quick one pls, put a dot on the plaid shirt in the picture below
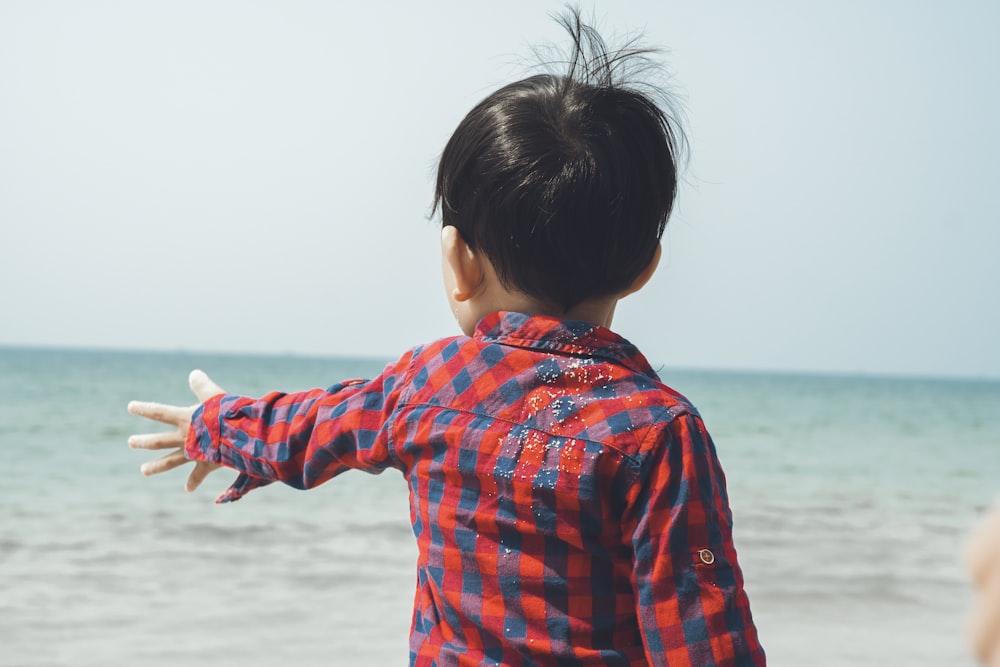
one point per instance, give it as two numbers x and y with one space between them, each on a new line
568 507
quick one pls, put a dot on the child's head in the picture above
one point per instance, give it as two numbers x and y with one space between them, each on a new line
564 182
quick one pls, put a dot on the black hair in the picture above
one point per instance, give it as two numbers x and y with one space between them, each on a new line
565 181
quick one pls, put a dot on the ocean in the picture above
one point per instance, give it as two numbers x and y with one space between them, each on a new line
852 497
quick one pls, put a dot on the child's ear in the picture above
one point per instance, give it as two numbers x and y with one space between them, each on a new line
462 265
646 274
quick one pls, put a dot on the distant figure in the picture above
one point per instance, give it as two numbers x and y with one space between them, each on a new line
568 507
982 558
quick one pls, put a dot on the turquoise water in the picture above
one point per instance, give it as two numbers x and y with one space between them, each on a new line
851 496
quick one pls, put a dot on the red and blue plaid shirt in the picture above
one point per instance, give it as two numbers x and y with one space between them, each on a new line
568 507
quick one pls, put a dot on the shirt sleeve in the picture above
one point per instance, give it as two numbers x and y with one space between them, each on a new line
301 439
691 605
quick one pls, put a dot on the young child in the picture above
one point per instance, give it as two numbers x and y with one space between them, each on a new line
568 507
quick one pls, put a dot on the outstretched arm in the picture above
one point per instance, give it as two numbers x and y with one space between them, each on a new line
302 439
180 418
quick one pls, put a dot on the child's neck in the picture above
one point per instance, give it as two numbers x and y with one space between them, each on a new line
596 311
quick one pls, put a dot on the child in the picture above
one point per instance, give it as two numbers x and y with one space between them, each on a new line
568 507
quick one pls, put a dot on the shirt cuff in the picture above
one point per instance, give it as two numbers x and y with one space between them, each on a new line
243 485
203 443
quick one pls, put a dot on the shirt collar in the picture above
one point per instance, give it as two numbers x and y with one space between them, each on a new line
571 337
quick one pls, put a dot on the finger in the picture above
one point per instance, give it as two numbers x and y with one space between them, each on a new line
168 414
164 463
198 475
985 626
168 440
983 548
202 386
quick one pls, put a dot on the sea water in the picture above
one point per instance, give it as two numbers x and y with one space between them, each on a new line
851 496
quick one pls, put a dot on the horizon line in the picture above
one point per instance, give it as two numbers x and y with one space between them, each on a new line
658 366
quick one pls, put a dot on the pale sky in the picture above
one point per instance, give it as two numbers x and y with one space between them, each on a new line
256 176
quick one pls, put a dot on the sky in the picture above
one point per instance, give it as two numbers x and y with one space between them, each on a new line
257 176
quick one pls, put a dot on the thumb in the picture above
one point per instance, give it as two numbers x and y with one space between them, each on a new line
202 386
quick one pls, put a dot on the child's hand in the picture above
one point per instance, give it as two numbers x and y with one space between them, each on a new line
180 418
982 558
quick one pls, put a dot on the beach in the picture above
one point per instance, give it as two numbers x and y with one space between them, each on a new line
851 497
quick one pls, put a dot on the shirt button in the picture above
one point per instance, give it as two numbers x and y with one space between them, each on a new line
707 557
